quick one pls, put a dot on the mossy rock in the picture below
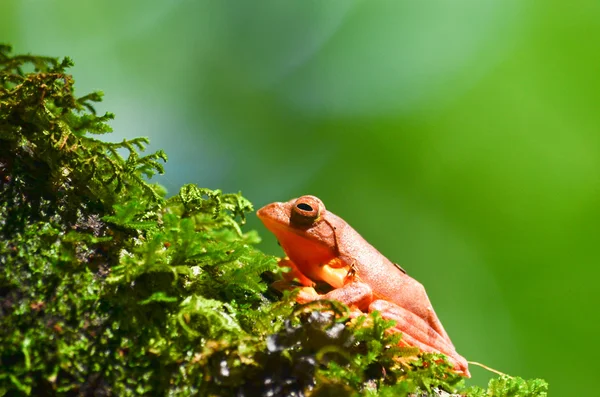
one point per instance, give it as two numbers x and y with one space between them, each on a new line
110 288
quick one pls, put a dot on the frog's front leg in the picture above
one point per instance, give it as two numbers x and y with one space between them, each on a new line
294 273
356 295
418 333
330 273
353 294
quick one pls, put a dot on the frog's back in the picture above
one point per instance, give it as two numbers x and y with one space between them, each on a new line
386 279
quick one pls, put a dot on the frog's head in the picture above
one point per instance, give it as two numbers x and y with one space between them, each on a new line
305 230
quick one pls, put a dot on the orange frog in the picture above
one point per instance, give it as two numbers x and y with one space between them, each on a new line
323 248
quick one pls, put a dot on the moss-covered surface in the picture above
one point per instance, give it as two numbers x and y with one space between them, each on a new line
109 288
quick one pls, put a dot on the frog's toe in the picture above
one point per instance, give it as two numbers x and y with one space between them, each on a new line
307 294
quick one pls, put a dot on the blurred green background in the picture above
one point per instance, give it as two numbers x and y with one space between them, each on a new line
459 138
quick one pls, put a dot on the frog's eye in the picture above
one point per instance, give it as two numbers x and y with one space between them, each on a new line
307 210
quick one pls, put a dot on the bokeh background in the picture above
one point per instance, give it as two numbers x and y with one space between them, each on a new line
460 138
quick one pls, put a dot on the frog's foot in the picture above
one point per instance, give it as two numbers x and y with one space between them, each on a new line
355 295
307 294
418 333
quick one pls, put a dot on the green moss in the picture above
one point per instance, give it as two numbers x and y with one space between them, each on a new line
109 288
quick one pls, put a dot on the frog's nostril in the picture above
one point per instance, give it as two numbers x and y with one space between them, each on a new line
305 207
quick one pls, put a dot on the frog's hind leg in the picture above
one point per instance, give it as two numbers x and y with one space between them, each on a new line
412 297
419 333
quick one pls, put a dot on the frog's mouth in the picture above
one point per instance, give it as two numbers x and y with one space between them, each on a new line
315 258
274 213
277 218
